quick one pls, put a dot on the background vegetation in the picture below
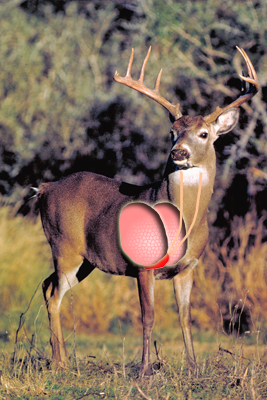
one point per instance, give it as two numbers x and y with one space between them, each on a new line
61 112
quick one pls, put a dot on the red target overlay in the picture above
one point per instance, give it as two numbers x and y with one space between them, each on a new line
146 233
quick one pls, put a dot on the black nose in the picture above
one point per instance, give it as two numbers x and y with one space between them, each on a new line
179 154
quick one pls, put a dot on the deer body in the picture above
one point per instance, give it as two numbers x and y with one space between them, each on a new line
80 219
97 238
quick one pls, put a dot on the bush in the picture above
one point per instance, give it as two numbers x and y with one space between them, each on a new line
61 111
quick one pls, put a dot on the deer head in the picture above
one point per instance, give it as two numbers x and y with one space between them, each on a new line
193 138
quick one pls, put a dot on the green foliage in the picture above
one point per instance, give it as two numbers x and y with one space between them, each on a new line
200 37
61 112
58 104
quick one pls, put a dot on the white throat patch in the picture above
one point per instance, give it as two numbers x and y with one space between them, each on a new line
190 176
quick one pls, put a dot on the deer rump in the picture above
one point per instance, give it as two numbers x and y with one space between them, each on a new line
146 233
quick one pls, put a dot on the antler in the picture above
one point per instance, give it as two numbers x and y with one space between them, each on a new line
174 110
254 87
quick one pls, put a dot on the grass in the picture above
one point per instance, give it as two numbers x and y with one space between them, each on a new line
105 348
108 369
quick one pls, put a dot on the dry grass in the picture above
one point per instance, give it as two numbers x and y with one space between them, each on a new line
228 367
25 261
228 280
232 279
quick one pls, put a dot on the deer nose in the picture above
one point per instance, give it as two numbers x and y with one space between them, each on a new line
179 154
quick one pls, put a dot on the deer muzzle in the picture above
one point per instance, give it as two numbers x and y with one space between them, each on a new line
179 154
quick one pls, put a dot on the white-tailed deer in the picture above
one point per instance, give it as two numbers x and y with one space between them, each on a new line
80 216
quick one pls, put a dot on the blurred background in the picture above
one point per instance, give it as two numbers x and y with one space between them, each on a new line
61 112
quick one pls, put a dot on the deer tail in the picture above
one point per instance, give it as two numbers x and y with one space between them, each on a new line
39 191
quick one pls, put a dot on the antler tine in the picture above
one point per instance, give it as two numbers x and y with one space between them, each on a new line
142 72
253 80
130 63
174 110
254 87
156 89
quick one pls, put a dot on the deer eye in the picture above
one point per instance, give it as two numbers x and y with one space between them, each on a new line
203 135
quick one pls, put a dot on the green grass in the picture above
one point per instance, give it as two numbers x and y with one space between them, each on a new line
106 367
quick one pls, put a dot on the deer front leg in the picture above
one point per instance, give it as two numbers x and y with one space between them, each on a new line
146 283
183 283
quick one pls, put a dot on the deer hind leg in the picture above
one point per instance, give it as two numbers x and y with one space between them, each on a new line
146 283
183 283
54 289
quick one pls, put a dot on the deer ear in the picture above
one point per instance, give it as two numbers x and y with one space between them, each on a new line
226 121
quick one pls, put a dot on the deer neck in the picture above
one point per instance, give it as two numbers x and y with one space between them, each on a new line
168 189
171 184
172 177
